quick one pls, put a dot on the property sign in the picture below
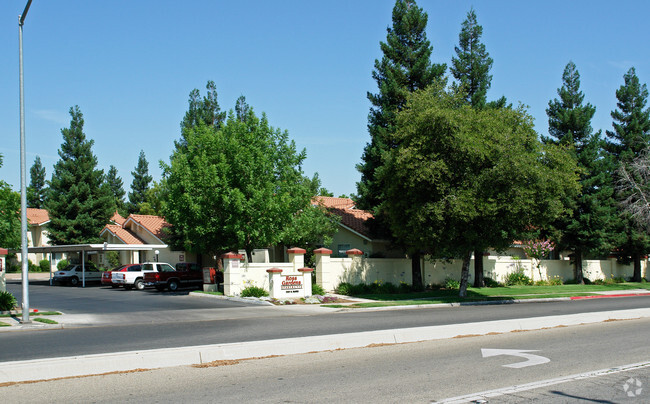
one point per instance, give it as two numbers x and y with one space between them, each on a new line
291 283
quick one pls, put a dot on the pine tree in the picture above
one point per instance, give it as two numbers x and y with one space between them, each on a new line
79 202
140 184
37 190
627 142
472 65
404 68
590 230
471 68
204 111
116 185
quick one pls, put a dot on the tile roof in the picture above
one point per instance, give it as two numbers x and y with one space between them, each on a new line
37 216
155 224
125 235
355 219
118 219
337 203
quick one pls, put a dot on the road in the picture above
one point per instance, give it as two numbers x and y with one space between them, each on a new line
188 321
420 372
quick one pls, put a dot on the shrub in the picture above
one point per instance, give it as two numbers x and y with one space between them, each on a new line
7 301
451 283
254 291
518 278
31 267
113 258
61 265
555 281
44 265
491 283
317 289
404 287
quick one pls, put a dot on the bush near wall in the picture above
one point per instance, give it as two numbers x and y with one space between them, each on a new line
44 265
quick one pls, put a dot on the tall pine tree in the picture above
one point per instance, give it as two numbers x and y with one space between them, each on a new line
629 139
472 65
37 190
589 230
116 185
204 111
404 68
140 184
79 202
471 68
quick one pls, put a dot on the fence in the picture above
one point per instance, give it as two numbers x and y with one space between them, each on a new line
330 272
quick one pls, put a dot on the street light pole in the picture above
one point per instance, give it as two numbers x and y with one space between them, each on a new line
23 193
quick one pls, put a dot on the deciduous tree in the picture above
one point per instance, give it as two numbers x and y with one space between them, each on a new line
9 215
463 178
237 186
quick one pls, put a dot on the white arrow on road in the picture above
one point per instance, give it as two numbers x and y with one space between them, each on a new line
531 360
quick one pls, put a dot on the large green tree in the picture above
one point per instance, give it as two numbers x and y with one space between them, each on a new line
37 189
464 178
140 184
237 186
472 64
627 144
590 228
9 215
471 68
116 185
405 67
79 201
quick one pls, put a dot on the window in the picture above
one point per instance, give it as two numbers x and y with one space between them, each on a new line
342 248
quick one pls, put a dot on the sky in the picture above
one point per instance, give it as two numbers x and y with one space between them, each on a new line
131 64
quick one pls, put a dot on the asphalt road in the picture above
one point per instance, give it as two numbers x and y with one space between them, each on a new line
162 321
420 372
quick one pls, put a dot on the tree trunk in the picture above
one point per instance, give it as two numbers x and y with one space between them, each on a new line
416 271
464 275
636 257
479 282
578 267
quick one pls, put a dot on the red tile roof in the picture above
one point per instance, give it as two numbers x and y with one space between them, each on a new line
37 216
118 219
155 224
355 219
125 235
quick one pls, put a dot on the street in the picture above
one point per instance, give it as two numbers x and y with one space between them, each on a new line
420 372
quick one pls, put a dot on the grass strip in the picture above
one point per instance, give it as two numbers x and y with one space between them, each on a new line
45 320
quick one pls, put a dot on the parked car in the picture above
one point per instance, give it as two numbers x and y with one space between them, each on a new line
134 275
107 276
74 273
185 274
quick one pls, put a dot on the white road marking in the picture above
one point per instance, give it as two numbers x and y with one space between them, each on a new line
484 395
531 360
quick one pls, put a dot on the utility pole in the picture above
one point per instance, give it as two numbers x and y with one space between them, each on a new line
23 175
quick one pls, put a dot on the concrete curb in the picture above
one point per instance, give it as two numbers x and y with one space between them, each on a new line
251 300
43 369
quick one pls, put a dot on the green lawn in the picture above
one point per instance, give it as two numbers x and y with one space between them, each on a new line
504 293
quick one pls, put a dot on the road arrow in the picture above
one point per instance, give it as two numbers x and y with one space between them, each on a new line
531 360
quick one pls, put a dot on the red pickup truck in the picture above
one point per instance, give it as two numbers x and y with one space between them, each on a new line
185 274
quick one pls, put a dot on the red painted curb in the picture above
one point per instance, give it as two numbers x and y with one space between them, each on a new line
605 296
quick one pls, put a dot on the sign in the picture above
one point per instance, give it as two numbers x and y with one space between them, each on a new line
531 360
181 257
291 283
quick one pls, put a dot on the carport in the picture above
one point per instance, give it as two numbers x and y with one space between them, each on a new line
84 249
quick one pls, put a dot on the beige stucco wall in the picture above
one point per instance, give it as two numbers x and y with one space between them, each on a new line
333 271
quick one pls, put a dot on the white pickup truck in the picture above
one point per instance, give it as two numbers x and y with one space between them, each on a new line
133 276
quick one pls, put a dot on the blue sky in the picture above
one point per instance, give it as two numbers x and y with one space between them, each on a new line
130 66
